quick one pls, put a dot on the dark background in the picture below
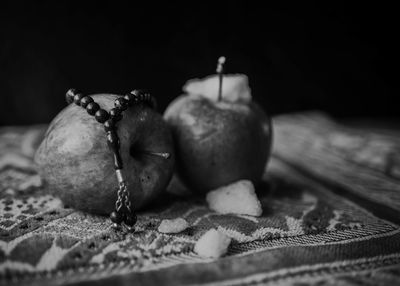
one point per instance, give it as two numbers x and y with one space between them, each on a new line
337 58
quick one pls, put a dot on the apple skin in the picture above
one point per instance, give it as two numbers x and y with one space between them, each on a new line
218 142
77 165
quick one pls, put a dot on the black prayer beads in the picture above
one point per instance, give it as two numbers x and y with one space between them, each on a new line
123 211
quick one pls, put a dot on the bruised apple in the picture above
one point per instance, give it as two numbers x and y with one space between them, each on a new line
77 165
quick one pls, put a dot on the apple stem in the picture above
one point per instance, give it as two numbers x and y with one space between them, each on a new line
220 72
164 155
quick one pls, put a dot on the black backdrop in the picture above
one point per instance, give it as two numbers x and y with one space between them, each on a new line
334 57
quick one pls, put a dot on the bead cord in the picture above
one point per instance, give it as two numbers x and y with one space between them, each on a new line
123 209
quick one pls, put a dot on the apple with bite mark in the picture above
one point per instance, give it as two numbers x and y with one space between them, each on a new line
221 135
77 164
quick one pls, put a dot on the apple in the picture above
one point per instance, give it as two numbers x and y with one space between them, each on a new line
78 166
219 140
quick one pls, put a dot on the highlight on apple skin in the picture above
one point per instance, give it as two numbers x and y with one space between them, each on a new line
217 141
77 166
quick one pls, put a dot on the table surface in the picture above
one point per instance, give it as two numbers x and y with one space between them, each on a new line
330 198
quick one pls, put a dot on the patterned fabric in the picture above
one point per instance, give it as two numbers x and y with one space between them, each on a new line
306 235
364 163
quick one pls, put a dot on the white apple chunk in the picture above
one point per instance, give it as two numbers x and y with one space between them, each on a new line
173 225
237 198
212 244
235 88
